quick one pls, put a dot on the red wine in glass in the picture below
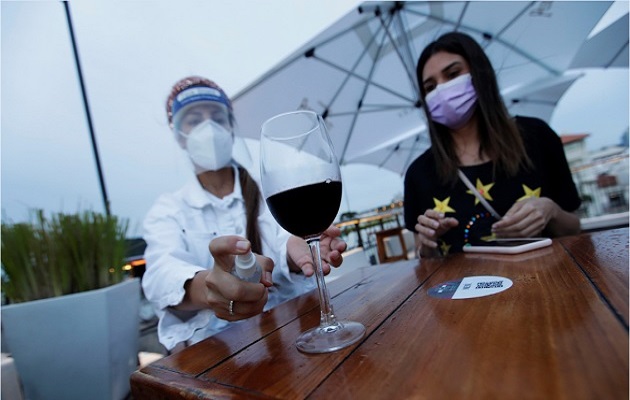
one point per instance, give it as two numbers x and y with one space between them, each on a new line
301 183
321 199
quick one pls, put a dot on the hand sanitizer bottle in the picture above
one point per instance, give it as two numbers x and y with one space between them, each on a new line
246 268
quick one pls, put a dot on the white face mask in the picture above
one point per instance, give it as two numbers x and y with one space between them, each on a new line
209 146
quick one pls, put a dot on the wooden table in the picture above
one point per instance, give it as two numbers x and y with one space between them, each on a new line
560 332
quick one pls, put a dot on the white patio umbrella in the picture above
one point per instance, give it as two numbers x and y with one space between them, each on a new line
360 72
536 100
607 49
540 98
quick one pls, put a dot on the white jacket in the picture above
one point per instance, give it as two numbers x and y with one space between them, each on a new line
177 230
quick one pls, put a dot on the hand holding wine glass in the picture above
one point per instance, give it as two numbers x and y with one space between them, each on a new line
301 183
332 247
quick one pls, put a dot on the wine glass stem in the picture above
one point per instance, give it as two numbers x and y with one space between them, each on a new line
327 314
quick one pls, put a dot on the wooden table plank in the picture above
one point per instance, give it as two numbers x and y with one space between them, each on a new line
161 384
604 258
275 367
259 346
542 338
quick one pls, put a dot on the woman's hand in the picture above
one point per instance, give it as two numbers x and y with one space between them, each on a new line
331 245
531 216
216 288
526 218
431 225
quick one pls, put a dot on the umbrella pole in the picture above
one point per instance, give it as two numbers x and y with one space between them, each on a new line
87 110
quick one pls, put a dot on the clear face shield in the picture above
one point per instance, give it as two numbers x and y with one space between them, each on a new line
204 130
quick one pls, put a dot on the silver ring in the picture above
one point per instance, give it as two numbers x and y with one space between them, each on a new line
231 307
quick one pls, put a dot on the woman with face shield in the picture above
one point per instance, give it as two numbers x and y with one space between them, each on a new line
487 174
194 234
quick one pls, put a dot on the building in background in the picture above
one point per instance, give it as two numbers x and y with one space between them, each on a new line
601 176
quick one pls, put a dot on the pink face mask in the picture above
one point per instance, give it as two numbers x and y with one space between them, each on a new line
453 103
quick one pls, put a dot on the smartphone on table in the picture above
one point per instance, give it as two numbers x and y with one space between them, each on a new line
507 245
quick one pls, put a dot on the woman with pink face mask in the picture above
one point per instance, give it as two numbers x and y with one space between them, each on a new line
194 233
487 174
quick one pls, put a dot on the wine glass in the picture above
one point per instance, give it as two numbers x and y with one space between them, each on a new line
301 183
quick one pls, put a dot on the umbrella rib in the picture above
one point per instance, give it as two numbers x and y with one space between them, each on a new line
377 85
412 57
388 156
297 57
393 42
491 37
411 153
352 71
461 16
365 88
383 109
617 54
395 106
528 56
541 102
390 107
398 147
497 37
355 75
343 32
513 20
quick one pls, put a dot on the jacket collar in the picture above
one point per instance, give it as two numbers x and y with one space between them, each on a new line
197 197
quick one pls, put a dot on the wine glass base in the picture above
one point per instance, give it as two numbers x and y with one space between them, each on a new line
330 338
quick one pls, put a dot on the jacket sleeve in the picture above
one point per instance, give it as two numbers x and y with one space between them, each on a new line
169 264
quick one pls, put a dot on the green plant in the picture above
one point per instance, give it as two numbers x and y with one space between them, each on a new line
63 254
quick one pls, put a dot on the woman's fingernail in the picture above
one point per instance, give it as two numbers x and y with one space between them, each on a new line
242 245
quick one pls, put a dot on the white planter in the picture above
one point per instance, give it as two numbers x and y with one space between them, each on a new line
79 346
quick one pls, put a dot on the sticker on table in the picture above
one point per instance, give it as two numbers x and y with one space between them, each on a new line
471 287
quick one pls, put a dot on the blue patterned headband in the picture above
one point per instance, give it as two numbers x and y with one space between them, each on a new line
199 93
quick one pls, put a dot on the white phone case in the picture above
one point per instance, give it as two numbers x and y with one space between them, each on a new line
508 246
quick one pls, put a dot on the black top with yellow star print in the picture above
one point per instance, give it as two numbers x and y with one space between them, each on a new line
550 177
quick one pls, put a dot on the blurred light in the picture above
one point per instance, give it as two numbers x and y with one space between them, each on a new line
135 263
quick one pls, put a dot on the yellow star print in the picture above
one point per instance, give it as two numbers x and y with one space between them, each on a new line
483 190
489 238
529 193
445 248
442 206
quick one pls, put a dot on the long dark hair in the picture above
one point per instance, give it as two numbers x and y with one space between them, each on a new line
252 196
498 134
